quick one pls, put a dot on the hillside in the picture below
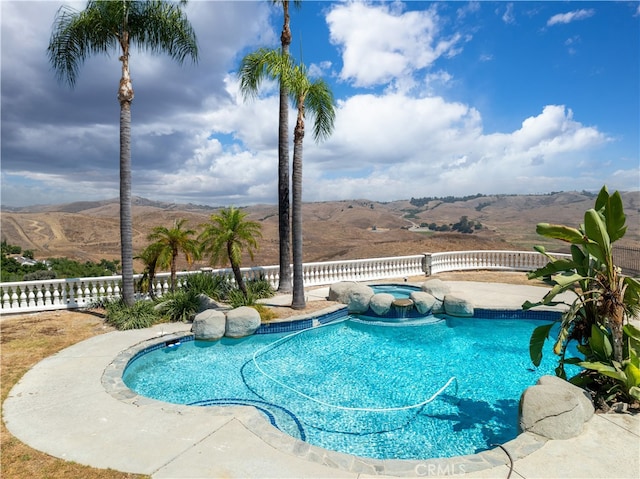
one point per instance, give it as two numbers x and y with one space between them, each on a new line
332 230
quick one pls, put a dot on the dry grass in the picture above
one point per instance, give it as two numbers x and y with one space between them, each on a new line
27 339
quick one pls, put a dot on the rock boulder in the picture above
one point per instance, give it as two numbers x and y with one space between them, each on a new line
359 298
436 288
456 306
242 321
381 303
423 302
554 409
205 302
209 325
340 291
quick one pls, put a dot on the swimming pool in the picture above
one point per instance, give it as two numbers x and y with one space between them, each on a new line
438 389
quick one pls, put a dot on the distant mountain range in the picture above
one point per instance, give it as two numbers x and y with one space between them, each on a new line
348 229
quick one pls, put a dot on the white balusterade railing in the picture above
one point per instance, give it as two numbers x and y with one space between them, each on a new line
71 293
486 259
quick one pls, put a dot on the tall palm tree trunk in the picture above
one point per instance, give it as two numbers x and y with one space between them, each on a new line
298 301
237 274
174 261
284 229
125 97
126 228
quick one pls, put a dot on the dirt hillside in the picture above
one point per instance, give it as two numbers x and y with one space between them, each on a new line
332 230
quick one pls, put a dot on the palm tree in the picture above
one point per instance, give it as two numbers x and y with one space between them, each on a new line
254 68
154 256
170 242
284 230
317 99
103 26
284 285
226 236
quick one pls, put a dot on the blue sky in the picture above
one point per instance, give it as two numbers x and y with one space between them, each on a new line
433 99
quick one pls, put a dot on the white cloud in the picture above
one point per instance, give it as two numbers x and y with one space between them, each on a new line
381 44
569 17
387 146
508 15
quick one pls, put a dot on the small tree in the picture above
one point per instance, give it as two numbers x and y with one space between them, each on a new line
169 242
154 256
226 236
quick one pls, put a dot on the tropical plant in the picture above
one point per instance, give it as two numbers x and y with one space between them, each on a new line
179 305
611 380
260 287
137 316
215 286
226 236
154 256
104 25
170 242
237 298
604 297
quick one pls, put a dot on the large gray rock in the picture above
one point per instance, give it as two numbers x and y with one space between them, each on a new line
355 295
205 302
423 302
209 325
242 321
340 291
554 409
582 395
381 303
436 288
456 306
359 298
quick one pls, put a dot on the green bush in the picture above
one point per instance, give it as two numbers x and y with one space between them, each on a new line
237 299
41 274
214 286
140 315
260 288
181 305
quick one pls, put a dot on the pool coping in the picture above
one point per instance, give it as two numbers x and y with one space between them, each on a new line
517 448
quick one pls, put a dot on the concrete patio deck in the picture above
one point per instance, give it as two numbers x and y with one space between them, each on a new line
62 407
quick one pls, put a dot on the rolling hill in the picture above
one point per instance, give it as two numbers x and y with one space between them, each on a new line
334 230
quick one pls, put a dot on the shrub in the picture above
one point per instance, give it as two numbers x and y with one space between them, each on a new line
140 315
214 286
181 305
237 299
41 274
260 288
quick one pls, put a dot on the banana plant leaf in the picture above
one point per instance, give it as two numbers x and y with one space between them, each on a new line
536 342
600 344
633 376
615 217
605 369
596 230
553 267
561 232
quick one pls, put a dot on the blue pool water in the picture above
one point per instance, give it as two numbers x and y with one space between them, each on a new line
363 389
398 291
